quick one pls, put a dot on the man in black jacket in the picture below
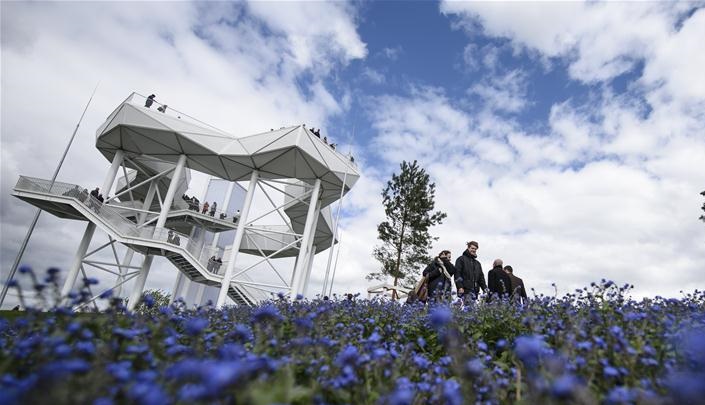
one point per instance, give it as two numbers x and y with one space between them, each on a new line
518 291
440 272
498 280
469 277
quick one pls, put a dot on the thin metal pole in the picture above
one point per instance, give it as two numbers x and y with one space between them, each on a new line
335 232
337 220
23 246
335 267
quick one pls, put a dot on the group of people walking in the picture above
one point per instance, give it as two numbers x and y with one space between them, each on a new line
469 278
94 203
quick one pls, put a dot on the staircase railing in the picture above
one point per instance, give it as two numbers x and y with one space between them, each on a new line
113 217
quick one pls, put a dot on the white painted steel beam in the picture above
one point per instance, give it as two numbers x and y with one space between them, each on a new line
78 259
112 172
223 293
301 262
173 185
139 283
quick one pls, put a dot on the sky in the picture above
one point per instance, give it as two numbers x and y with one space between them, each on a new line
568 139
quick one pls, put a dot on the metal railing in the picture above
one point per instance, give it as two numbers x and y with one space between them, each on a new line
140 100
217 214
114 218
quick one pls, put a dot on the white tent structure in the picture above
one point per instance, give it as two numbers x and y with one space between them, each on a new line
156 149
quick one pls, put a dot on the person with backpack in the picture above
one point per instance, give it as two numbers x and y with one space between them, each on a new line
440 273
469 277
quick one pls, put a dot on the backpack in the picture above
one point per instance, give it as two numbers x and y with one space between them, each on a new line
420 291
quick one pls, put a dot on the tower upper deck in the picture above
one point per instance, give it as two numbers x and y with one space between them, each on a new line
287 153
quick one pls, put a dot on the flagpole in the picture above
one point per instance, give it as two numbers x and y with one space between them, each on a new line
32 225
335 227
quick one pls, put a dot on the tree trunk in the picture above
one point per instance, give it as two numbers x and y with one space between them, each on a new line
399 249
394 291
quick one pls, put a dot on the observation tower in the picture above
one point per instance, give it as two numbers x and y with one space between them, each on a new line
291 169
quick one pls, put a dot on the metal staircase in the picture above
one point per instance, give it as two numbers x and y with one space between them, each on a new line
66 200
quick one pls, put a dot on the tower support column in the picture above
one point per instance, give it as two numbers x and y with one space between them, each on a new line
139 283
239 233
112 173
301 262
78 259
127 260
169 198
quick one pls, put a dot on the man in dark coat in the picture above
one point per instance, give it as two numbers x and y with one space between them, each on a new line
469 277
518 291
440 272
498 280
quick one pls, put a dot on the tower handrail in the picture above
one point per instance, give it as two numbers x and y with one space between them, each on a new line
170 111
194 246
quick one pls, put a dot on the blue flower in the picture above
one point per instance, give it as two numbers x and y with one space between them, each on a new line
403 394
421 362
564 386
127 333
440 316
193 392
61 367
451 393
85 347
686 387
347 356
194 326
90 281
241 333
137 349
610 372
121 371
147 393
62 350
528 349
620 395
266 313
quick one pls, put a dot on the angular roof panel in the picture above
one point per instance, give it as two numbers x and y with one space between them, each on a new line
287 153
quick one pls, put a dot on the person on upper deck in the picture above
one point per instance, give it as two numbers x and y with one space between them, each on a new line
150 100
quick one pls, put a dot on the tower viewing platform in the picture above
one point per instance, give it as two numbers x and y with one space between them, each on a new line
156 148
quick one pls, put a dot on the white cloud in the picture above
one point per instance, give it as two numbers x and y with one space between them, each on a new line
605 191
608 190
601 40
373 75
236 66
392 53
317 33
503 92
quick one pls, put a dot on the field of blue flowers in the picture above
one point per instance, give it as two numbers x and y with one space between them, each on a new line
593 346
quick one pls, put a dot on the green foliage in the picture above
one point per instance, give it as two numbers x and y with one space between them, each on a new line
408 205
702 217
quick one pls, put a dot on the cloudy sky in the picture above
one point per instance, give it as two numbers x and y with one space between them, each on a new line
567 138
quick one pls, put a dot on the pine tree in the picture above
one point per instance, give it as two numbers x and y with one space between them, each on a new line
408 204
702 217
